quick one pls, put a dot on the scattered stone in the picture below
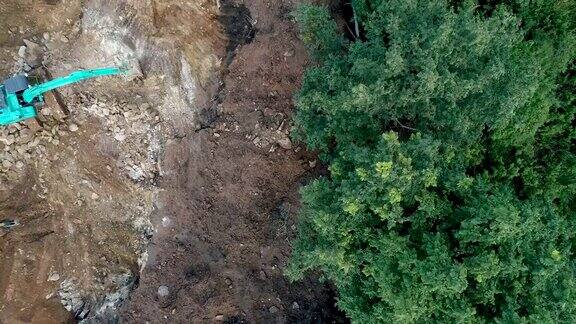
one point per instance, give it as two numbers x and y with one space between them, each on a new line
46 111
8 224
34 54
295 305
9 140
73 127
312 164
12 129
54 277
285 143
262 275
120 137
135 173
166 221
163 291
22 51
94 196
273 310
219 318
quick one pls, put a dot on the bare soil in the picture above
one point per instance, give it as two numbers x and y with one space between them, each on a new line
178 187
231 196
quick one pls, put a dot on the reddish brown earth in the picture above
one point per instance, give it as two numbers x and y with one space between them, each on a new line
221 188
228 208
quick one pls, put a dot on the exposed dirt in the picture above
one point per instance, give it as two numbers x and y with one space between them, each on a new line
177 186
78 190
228 211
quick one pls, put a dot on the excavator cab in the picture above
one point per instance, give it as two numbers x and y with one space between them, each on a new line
13 108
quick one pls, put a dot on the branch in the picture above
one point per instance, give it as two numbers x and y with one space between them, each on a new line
350 30
403 126
356 25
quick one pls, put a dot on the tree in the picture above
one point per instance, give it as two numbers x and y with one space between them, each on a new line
448 129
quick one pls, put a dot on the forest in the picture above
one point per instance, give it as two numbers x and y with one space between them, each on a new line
448 130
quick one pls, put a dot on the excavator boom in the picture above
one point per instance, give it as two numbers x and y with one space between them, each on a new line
19 100
36 91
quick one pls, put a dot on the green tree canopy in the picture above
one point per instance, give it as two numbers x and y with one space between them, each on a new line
449 132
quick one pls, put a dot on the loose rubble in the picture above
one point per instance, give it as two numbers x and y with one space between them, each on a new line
136 131
133 127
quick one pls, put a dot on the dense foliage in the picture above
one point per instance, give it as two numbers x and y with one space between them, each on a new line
449 131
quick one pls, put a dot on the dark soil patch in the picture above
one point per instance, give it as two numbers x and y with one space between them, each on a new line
237 21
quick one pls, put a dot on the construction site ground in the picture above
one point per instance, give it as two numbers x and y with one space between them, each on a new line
167 195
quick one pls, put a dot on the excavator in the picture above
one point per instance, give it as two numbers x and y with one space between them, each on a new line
19 99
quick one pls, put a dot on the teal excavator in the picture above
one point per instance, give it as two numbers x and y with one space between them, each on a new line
19 99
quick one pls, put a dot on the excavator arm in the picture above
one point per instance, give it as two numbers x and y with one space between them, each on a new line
34 92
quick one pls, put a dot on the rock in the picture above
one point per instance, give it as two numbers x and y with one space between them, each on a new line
285 143
9 140
54 277
73 127
120 137
312 164
34 54
46 111
8 224
25 136
94 196
263 275
127 114
12 129
22 51
295 305
136 173
163 291
166 221
34 143
273 310
219 318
